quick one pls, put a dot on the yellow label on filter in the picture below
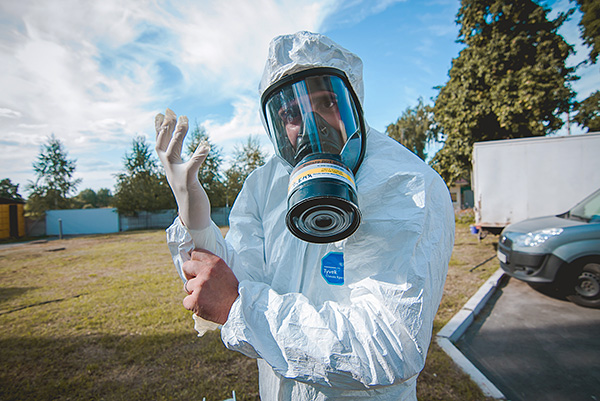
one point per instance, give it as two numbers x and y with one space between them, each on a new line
320 170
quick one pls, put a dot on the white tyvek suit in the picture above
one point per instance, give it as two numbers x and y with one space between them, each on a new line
367 338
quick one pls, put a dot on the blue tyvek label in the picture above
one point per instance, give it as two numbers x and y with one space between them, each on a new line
332 268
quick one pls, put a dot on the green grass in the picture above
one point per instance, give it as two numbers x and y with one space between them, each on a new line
441 379
100 318
112 326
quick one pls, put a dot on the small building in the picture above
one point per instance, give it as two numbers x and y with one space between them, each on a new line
12 218
461 194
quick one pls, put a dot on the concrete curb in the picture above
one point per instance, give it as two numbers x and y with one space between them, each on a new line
457 326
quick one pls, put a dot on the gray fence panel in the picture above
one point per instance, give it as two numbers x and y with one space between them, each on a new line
148 220
35 227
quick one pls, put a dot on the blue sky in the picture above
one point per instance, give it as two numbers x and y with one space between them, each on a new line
94 74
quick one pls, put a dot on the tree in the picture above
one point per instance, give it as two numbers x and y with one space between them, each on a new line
85 199
234 181
588 112
510 81
250 156
10 190
415 128
246 159
209 173
54 182
140 160
104 197
142 186
590 26
88 198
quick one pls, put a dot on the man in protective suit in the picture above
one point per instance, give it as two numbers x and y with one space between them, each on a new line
341 317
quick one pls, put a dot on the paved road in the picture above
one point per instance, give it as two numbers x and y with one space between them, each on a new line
535 347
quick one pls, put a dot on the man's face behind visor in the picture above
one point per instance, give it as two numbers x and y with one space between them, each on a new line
316 114
324 103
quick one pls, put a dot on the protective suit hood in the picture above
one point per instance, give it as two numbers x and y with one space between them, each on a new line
289 54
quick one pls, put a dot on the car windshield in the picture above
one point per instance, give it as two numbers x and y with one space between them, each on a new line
588 209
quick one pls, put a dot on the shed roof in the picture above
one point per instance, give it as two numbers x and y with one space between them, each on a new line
9 201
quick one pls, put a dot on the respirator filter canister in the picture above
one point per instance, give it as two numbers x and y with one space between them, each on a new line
322 200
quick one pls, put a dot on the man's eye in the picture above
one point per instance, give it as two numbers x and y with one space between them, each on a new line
327 103
289 115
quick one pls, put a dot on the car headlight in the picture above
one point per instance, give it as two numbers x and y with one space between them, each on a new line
537 238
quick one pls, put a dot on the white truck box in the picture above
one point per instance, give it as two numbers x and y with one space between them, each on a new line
518 179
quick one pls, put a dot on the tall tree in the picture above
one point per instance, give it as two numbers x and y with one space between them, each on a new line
415 128
234 180
140 159
588 112
510 81
54 179
246 159
9 190
209 173
590 26
142 186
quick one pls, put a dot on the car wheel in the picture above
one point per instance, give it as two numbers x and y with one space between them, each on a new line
586 289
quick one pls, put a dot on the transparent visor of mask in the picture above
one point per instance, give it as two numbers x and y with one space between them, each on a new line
314 114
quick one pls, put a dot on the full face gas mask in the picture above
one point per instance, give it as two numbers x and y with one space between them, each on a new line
315 120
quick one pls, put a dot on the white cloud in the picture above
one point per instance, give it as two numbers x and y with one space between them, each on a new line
50 72
8 113
93 73
245 121
349 12
234 132
33 126
224 44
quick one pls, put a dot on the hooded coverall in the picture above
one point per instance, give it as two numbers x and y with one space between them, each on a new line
362 337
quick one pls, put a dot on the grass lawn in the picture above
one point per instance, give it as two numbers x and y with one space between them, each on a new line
100 318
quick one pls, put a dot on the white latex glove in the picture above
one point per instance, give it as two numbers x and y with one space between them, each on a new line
202 326
192 201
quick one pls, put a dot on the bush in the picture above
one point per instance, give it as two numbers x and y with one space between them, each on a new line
464 216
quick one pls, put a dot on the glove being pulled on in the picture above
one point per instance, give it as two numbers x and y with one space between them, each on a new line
192 202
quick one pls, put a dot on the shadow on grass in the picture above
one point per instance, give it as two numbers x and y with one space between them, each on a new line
128 367
50 301
7 293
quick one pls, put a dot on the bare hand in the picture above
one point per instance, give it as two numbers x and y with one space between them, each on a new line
213 286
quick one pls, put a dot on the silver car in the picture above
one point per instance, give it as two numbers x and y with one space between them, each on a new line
560 251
